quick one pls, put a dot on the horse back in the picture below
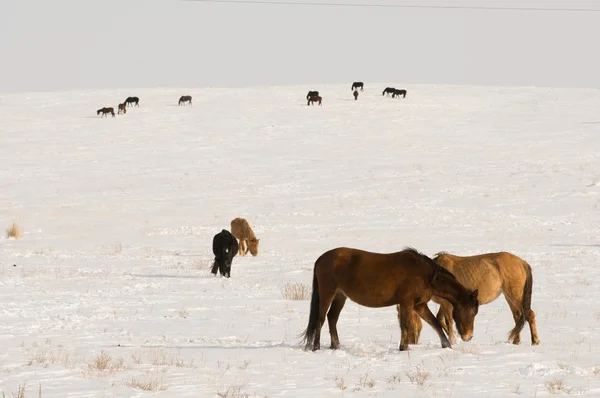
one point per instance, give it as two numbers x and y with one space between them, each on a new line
240 228
491 273
376 279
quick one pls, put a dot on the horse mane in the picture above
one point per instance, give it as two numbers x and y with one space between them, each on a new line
438 254
437 269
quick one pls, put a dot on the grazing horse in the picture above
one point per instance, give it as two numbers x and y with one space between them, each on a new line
315 98
398 93
356 85
106 110
132 100
248 241
388 91
184 99
492 274
225 247
355 94
375 280
312 94
122 108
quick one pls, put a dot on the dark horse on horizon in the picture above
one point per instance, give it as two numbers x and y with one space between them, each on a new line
132 101
407 279
185 98
105 111
312 94
398 93
356 85
388 91
225 248
315 98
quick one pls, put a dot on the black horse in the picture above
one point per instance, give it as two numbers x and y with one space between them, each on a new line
398 93
225 248
388 90
132 101
312 94
185 98
356 85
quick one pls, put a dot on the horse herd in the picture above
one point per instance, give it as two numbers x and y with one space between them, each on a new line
313 96
407 279
122 108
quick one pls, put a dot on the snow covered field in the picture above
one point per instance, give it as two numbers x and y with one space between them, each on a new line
108 291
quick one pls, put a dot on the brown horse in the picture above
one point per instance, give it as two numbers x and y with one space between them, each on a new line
407 278
315 98
492 274
185 98
106 110
242 231
122 108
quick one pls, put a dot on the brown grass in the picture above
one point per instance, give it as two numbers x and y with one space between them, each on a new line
418 376
151 382
296 291
14 231
21 392
555 386
103 365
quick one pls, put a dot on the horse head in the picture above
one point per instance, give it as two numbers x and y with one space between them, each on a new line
464 315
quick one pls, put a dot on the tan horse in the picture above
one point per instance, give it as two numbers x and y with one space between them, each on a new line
406 278
122 108
242 231
105 111
492 274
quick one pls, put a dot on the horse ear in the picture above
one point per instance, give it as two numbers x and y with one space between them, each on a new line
474 294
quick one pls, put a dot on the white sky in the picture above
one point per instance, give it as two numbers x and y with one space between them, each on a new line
84 44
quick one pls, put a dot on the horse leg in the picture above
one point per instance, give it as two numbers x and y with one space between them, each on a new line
535 340
332 317
416 326
326 296
444 315
406 325
425 313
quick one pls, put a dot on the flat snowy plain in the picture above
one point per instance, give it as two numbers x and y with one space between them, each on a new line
108 290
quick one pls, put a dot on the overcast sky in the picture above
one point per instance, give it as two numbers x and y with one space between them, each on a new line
84 44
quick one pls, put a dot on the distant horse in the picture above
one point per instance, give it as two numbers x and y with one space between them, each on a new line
355 93
312 94
225 247
356 85
106 110
398 93
388 90
242 231
375 280
313 99
492 274
122 108
132 100
184 99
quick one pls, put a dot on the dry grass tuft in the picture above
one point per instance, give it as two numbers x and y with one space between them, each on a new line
161 357
296 291
14 231
103 365
555 386
46 358
21 392
418 376
151 382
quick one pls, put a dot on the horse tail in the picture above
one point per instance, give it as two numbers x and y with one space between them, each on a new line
308 336
525 303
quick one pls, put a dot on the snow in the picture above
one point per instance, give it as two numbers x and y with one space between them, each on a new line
118 214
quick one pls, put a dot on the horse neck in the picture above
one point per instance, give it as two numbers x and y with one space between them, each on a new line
448 288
